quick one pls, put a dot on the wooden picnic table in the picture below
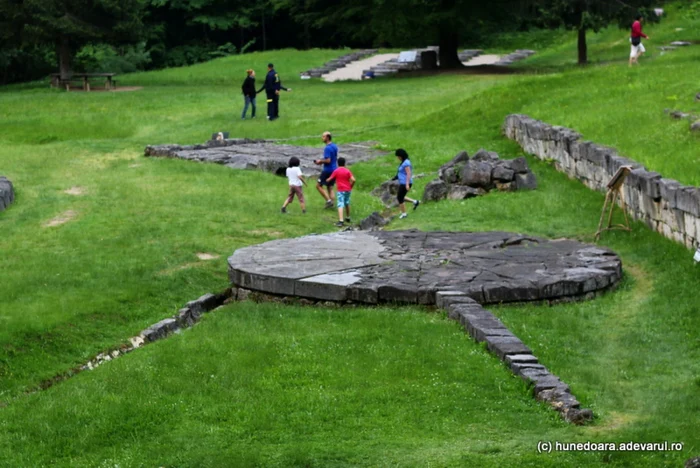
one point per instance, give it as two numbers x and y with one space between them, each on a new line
56 80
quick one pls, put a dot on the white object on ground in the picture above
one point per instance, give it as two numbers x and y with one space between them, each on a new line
488 59
353 70
696 257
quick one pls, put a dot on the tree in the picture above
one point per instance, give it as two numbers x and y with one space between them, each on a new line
584 15
405 23
70 24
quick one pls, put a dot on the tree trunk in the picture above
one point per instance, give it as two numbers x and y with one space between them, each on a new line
582 47
449 43
65 59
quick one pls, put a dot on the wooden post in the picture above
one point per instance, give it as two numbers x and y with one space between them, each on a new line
611 196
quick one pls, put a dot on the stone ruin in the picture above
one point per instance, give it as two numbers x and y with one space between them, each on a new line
264 155
520 54
466 178
7 193
337 63
458 272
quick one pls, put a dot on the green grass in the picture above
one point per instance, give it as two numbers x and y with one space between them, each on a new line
278 385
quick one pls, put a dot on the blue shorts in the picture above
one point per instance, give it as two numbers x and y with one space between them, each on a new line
343 199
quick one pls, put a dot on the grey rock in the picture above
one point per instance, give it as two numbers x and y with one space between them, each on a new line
681 43
476 174
373 221
502 173
460 192
519 165
483 155
692 463
387 193
695 126
435 190
521 359
525 181
264 155
578 417
7 193
504 345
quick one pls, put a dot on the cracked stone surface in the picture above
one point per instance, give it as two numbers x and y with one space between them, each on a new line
412 266
265 155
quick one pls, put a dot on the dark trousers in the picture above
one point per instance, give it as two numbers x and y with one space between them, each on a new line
273 106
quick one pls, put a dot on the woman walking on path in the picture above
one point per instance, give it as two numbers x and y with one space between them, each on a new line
405 178
248 89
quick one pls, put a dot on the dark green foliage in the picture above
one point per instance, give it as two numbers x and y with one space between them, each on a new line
584 15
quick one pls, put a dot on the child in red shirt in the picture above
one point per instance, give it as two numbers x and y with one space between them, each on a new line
344 181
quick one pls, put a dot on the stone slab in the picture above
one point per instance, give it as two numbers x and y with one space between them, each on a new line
447 268
265 155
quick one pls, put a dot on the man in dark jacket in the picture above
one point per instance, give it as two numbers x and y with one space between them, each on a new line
272 88
248 89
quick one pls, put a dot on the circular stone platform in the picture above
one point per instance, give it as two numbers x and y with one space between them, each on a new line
411 266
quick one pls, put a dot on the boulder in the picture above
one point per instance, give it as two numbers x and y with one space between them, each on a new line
519 165
525 181
435 190
695 126
483 155
476 174
460 192
373 222
387 193
502 173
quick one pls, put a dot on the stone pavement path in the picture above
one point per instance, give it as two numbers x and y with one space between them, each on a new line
488 59
353 70
411 266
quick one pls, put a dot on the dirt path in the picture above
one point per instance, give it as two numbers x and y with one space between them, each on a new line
353 70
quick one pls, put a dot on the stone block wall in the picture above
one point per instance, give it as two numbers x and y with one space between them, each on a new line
7 193
665 205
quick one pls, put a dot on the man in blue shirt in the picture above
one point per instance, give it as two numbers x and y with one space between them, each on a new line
330 164
272 88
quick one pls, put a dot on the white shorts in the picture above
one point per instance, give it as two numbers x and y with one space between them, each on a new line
635 50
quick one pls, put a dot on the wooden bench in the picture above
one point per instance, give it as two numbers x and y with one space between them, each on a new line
83 79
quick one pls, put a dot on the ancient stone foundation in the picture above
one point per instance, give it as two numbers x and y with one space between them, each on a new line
665 205
264 155
7 193
456 271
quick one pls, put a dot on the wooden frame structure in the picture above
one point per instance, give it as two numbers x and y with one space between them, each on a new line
613 193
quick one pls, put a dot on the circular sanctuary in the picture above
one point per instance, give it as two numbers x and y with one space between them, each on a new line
412 266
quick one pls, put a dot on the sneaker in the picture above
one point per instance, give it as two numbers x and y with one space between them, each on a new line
303 211
340 224
402 215
329 204
347 220
415 204
284 210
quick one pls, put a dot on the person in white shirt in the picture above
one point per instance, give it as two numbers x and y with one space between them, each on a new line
296 179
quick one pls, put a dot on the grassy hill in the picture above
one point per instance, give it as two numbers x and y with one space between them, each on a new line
279 385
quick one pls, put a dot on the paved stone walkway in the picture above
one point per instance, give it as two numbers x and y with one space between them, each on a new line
262 155
411 266
353 70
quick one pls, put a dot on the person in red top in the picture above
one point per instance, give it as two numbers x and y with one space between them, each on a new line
345 181
636 40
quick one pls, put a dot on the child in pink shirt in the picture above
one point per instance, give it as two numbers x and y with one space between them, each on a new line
344 181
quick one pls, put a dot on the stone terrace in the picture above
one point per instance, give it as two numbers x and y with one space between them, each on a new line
264 155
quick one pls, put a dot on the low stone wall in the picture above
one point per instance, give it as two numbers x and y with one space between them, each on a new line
7 193
665 205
